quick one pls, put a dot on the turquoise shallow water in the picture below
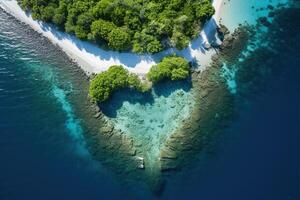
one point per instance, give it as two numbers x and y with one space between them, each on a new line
235 12
151 118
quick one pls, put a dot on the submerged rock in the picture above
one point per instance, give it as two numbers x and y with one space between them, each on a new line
264 21
97 115
207 45
140 162
107 129
167 153
222 31
168 165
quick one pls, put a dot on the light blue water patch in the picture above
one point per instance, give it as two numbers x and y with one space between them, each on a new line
72 123
151 119
235 12
256 41
45 72
229 74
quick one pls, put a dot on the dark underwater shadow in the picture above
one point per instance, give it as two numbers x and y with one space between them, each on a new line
165 89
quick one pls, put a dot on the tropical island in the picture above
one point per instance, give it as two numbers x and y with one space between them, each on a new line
141 26
145 116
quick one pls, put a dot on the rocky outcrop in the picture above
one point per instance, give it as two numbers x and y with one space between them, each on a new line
222 31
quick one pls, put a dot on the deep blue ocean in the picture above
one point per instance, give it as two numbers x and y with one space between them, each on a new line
42 155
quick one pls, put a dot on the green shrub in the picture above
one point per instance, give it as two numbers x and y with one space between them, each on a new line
171 67
116 77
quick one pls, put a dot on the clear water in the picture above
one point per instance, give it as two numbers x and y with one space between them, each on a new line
43 154
235 12
151 118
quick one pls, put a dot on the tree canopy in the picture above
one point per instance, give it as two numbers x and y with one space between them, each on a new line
145 26
171 67
116 77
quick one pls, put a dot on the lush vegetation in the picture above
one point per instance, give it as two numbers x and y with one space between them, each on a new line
140 25
171 67
116 77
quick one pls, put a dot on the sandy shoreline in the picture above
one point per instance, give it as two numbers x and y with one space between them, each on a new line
93 59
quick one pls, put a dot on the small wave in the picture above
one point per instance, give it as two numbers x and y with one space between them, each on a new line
25 58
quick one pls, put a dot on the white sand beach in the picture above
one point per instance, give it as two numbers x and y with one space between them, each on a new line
93 59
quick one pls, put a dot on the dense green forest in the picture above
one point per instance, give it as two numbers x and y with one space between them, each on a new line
144 26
